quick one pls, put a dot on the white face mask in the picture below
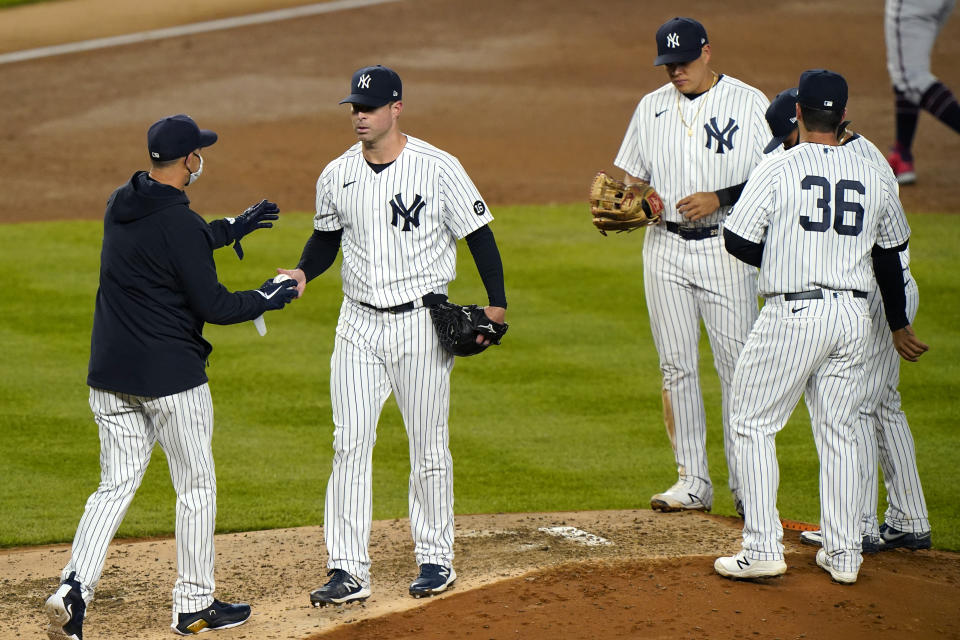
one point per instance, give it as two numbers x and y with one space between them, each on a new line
196 174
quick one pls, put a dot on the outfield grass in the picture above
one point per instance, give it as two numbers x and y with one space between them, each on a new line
564 416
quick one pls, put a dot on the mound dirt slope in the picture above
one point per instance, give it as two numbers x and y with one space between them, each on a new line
637 573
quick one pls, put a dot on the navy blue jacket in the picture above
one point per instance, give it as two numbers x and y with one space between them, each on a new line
158 286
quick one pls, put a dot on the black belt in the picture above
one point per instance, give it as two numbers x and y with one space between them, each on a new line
428 300
693 233
817 294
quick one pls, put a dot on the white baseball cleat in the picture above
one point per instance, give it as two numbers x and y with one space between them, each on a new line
740 567
826 563
678 498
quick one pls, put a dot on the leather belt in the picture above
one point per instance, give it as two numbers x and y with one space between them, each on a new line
426 301
693 233
817 294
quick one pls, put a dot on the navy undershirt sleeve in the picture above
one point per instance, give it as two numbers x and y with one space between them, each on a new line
889 274
743 249
483 247
319 252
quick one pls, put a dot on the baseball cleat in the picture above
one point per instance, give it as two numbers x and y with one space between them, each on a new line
902 169
825 562
66 610
433 579
890 538
868 544
740 567
813 538
677 498
219 615
340 589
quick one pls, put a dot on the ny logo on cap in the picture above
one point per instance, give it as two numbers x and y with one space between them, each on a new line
673 40
364 81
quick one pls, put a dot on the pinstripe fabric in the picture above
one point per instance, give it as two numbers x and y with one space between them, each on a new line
769 380
910 29
129 427
885 431
385 264
400 228
658 150
374 354
686 280
798 259
820 210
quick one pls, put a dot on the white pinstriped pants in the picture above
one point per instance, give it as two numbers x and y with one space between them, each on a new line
129 426
376 353
885 432
684 281
817 351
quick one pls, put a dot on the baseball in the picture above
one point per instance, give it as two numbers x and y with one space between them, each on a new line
281 277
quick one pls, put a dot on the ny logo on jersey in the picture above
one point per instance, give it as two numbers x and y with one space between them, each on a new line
364 81
673 40
724 138
410 215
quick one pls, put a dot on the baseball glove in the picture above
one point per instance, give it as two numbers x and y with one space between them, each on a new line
619 207
457 328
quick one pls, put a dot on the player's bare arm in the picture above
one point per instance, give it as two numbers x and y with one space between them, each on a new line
698 205
908 345
299 276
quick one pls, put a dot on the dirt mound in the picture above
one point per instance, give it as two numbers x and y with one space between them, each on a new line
554 575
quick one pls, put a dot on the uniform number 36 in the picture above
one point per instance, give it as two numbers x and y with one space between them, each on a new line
841 203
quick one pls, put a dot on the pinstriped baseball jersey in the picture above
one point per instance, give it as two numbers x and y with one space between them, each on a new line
400 226
868 150
683 146
884 429
838 206
723 135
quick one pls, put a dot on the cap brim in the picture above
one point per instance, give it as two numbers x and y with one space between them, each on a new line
775 142
367 101
676 56
207 138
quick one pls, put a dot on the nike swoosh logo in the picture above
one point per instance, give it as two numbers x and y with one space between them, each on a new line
271 295
660 114
347 184
795 309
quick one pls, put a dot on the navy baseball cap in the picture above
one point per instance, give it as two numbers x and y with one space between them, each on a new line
176 136
822 89
679 40
374 87
782 117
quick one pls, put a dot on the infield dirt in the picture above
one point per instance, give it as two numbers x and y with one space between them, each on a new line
533 97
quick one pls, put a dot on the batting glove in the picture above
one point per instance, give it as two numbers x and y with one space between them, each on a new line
277 294
255 217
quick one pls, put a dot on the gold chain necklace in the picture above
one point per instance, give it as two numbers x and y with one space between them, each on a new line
689 127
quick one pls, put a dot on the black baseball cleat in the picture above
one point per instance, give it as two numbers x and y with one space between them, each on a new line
890 538
219 615
340 589
433 579
66 610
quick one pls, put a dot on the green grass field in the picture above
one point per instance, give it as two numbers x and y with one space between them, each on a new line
564 416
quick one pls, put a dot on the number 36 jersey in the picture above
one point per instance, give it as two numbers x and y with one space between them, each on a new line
819 210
